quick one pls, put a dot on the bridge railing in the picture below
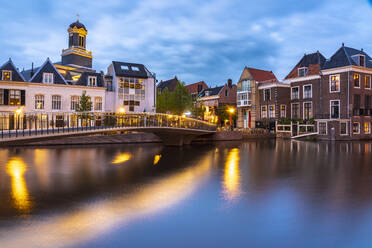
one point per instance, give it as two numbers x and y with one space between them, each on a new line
29 124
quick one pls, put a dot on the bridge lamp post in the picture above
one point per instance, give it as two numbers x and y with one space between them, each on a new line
231 112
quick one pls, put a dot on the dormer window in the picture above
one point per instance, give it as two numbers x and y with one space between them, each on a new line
48 78
207 93
359 59
124 67
6 75
92 81
302 71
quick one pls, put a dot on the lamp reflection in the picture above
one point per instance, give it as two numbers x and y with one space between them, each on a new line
122 158
16 168
157 159
231 180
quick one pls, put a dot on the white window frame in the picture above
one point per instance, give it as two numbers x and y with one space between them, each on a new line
92 83
358 127
2 75
48 77
330 83
369 127
347 129
369 76
98 102
75 103
330 109
269 112
58 103
298 87
39 98
303 91
358 56
360 78
302 68
285 111
299 110
264 94
303 112
326 128
262 116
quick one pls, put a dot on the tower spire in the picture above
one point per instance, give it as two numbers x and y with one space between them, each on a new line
77 17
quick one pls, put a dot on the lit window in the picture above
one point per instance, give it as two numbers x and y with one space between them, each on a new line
334 82
263 111
367 127
302 71
308 92
283 111
343 128
335 109
15 97
367 80
356 128
322 128
48 78
295 93
74 102
272 111
39 101
56 102
98 103
356 80
308 112
295 110
6 75
92 81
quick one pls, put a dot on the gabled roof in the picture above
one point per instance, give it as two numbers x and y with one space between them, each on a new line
124 69
83 80
211 91
343 57
193 88
313 61
170 84
16 75
261 75
48 67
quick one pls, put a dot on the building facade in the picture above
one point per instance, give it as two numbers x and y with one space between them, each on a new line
195 89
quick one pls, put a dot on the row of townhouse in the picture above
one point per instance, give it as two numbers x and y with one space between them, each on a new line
335 93
57 87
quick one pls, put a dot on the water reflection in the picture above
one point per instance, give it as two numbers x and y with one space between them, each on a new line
157 159
16 169
231 180
122 158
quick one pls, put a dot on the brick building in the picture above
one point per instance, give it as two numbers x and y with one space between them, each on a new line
336 92
195 89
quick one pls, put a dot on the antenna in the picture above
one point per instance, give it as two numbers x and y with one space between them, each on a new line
77 17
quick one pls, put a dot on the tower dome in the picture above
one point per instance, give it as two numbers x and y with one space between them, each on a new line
78 25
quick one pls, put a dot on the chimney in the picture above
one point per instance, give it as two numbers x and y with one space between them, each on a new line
32 70
229 83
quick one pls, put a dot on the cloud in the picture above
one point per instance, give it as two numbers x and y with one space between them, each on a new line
193 39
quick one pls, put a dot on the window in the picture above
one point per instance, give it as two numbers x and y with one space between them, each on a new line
39 101
359 59
74 102
367 82
98 103
302 71
283 111
1 97
92 81
263 111
56 102
48 78
15 97
81 41
367 127
308 112
207 93
226 93
343 128
267 95
334 83
367 102
7 75
272 111
295 93
357 101
322 128
295 110
124 67
135 68
308 91
356 80
356 128
335 109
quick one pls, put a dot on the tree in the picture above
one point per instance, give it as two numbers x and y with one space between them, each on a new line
85 104
176 102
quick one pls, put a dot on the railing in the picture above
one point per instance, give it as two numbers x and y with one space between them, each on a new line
14 125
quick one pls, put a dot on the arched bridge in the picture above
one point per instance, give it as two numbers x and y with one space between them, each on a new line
20 128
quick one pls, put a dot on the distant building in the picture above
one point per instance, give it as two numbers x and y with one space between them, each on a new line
170 84
248 103
195 89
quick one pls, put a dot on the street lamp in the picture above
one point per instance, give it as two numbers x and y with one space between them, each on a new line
231 112
121 110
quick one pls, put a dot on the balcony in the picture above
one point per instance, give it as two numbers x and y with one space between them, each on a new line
244 103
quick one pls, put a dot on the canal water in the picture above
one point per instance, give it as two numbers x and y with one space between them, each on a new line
252 194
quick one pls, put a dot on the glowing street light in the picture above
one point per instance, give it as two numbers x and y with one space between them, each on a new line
231 112
121 110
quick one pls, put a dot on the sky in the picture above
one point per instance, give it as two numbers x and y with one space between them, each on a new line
192 39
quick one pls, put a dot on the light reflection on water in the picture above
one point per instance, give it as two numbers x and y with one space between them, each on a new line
231 180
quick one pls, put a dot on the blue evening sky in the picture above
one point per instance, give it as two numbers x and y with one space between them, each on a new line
193 39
